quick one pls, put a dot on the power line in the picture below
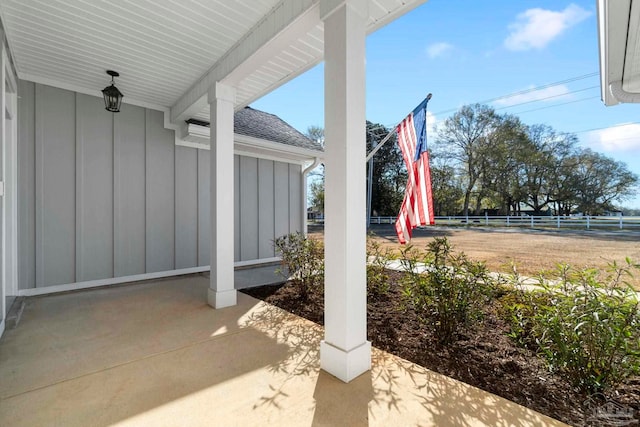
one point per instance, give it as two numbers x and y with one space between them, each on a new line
525 91
608 127
547 97
557 105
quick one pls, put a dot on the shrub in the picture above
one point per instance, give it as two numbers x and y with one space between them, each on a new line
590 331
303 257
377 273
450 292
519 308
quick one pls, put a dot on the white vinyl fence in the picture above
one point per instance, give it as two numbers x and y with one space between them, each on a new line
573 222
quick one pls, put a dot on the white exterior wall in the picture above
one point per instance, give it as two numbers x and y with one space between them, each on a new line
105 195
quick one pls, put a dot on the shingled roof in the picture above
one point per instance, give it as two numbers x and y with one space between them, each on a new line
258 124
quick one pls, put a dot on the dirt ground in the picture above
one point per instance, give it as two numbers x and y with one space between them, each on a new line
532 250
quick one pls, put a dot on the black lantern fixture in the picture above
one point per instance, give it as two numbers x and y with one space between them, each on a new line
112 96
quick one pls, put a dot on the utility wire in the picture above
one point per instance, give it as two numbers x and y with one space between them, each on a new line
525 91
546 97
608 127
557 105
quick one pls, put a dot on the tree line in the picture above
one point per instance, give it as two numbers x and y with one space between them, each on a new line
484 161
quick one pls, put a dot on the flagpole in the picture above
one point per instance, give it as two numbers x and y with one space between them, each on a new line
380 144
386 138
369 192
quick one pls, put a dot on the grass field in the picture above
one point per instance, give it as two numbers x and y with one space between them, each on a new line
531 250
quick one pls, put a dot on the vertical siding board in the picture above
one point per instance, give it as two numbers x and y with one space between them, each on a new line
94 189
237 226
266 202
204 209
249 208
129 191
26 187
160 207
105 195
55 186
186 197
281 198
295 197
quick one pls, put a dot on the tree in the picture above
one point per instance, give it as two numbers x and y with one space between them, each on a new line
599 181
316 133
543 163
316 195
389 172
503 164
500 166
316 186
464 135
446 187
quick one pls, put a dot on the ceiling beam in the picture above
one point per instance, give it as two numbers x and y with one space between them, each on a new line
289 20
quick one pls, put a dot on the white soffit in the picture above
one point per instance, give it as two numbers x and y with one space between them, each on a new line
163 48
631 77
159 47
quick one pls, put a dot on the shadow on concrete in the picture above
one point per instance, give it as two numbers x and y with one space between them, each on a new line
395 392
444 401
338 403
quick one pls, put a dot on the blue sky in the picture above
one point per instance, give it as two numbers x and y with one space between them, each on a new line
471 51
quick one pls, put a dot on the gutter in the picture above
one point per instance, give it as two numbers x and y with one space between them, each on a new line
316 162
622 95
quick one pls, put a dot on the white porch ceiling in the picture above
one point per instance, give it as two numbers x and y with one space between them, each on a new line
163 49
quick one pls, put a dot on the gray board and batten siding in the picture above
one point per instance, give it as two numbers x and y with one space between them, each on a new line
105 195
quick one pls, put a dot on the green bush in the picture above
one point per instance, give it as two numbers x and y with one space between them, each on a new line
590 330
377 273
303 257
519 308
449 294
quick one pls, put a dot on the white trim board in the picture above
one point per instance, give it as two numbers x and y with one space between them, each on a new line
107 282
133 278
255 262
197 136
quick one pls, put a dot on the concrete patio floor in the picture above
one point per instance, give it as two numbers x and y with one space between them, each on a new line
155 354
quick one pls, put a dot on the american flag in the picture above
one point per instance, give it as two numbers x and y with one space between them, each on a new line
417 206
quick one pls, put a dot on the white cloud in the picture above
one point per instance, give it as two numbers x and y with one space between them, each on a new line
549 94
535 28
438 49
625 137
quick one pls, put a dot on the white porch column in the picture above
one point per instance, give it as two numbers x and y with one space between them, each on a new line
222 292
345 351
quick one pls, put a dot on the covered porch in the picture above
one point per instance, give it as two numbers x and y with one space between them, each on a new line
154 353
97 198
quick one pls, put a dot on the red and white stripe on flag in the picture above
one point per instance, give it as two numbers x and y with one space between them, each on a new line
417 206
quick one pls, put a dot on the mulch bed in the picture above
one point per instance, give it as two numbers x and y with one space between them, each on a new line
485 357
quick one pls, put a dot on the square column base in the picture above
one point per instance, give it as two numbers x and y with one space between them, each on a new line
222 299
345 365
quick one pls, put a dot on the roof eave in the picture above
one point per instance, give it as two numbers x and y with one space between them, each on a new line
197 136
613 25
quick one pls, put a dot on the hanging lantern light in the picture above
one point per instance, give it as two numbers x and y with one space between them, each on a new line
112 96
